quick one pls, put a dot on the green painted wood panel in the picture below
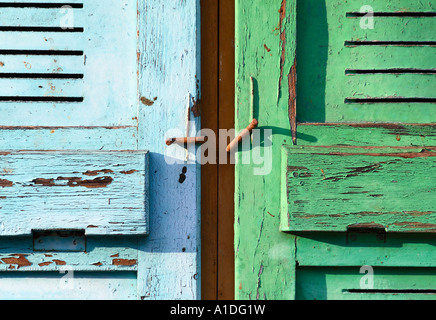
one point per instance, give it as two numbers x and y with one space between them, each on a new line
274 265
396 56
264 262
335 188
355 249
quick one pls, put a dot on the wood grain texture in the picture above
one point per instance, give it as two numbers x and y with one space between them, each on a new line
169 259
265 50
100 192
268 262
365 249
332 189
209 172
226 172
327 94
154 55
108 65
345 284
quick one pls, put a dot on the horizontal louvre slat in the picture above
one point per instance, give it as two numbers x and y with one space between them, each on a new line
41 64
40 87
391 6
392 29
390 85
41 40
42 17
390 57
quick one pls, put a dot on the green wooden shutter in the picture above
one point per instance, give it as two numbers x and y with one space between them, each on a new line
353 77
352 71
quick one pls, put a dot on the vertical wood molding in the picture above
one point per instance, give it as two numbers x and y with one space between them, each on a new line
209 172
218 113
226 173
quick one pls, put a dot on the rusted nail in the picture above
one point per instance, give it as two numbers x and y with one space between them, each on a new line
247 131
186 140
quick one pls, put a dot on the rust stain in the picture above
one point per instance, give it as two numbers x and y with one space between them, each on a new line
405 155
292 102
129 172
100 182
415 225
115 256
18 259
2 64
6 183
419 213
44 182
196 108
44 264
59 262
124 262
98 264
266 48
282 13
146 101
97 172
290 168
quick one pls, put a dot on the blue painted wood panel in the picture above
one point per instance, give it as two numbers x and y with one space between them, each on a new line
103 193
138 76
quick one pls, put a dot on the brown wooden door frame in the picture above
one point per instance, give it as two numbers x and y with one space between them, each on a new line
218 186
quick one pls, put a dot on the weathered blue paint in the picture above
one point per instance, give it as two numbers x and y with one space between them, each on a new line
103 193
137 77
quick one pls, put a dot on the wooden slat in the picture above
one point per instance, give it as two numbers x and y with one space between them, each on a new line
391 29
367 135
391 85
42 40
209 172
391 6
334 189
226 172
389 57
356 250
43 17
102 254
73 138
42 64
339 284
80 286
99 192
12 87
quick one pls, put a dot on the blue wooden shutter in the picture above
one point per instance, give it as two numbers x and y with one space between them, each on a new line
71 69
